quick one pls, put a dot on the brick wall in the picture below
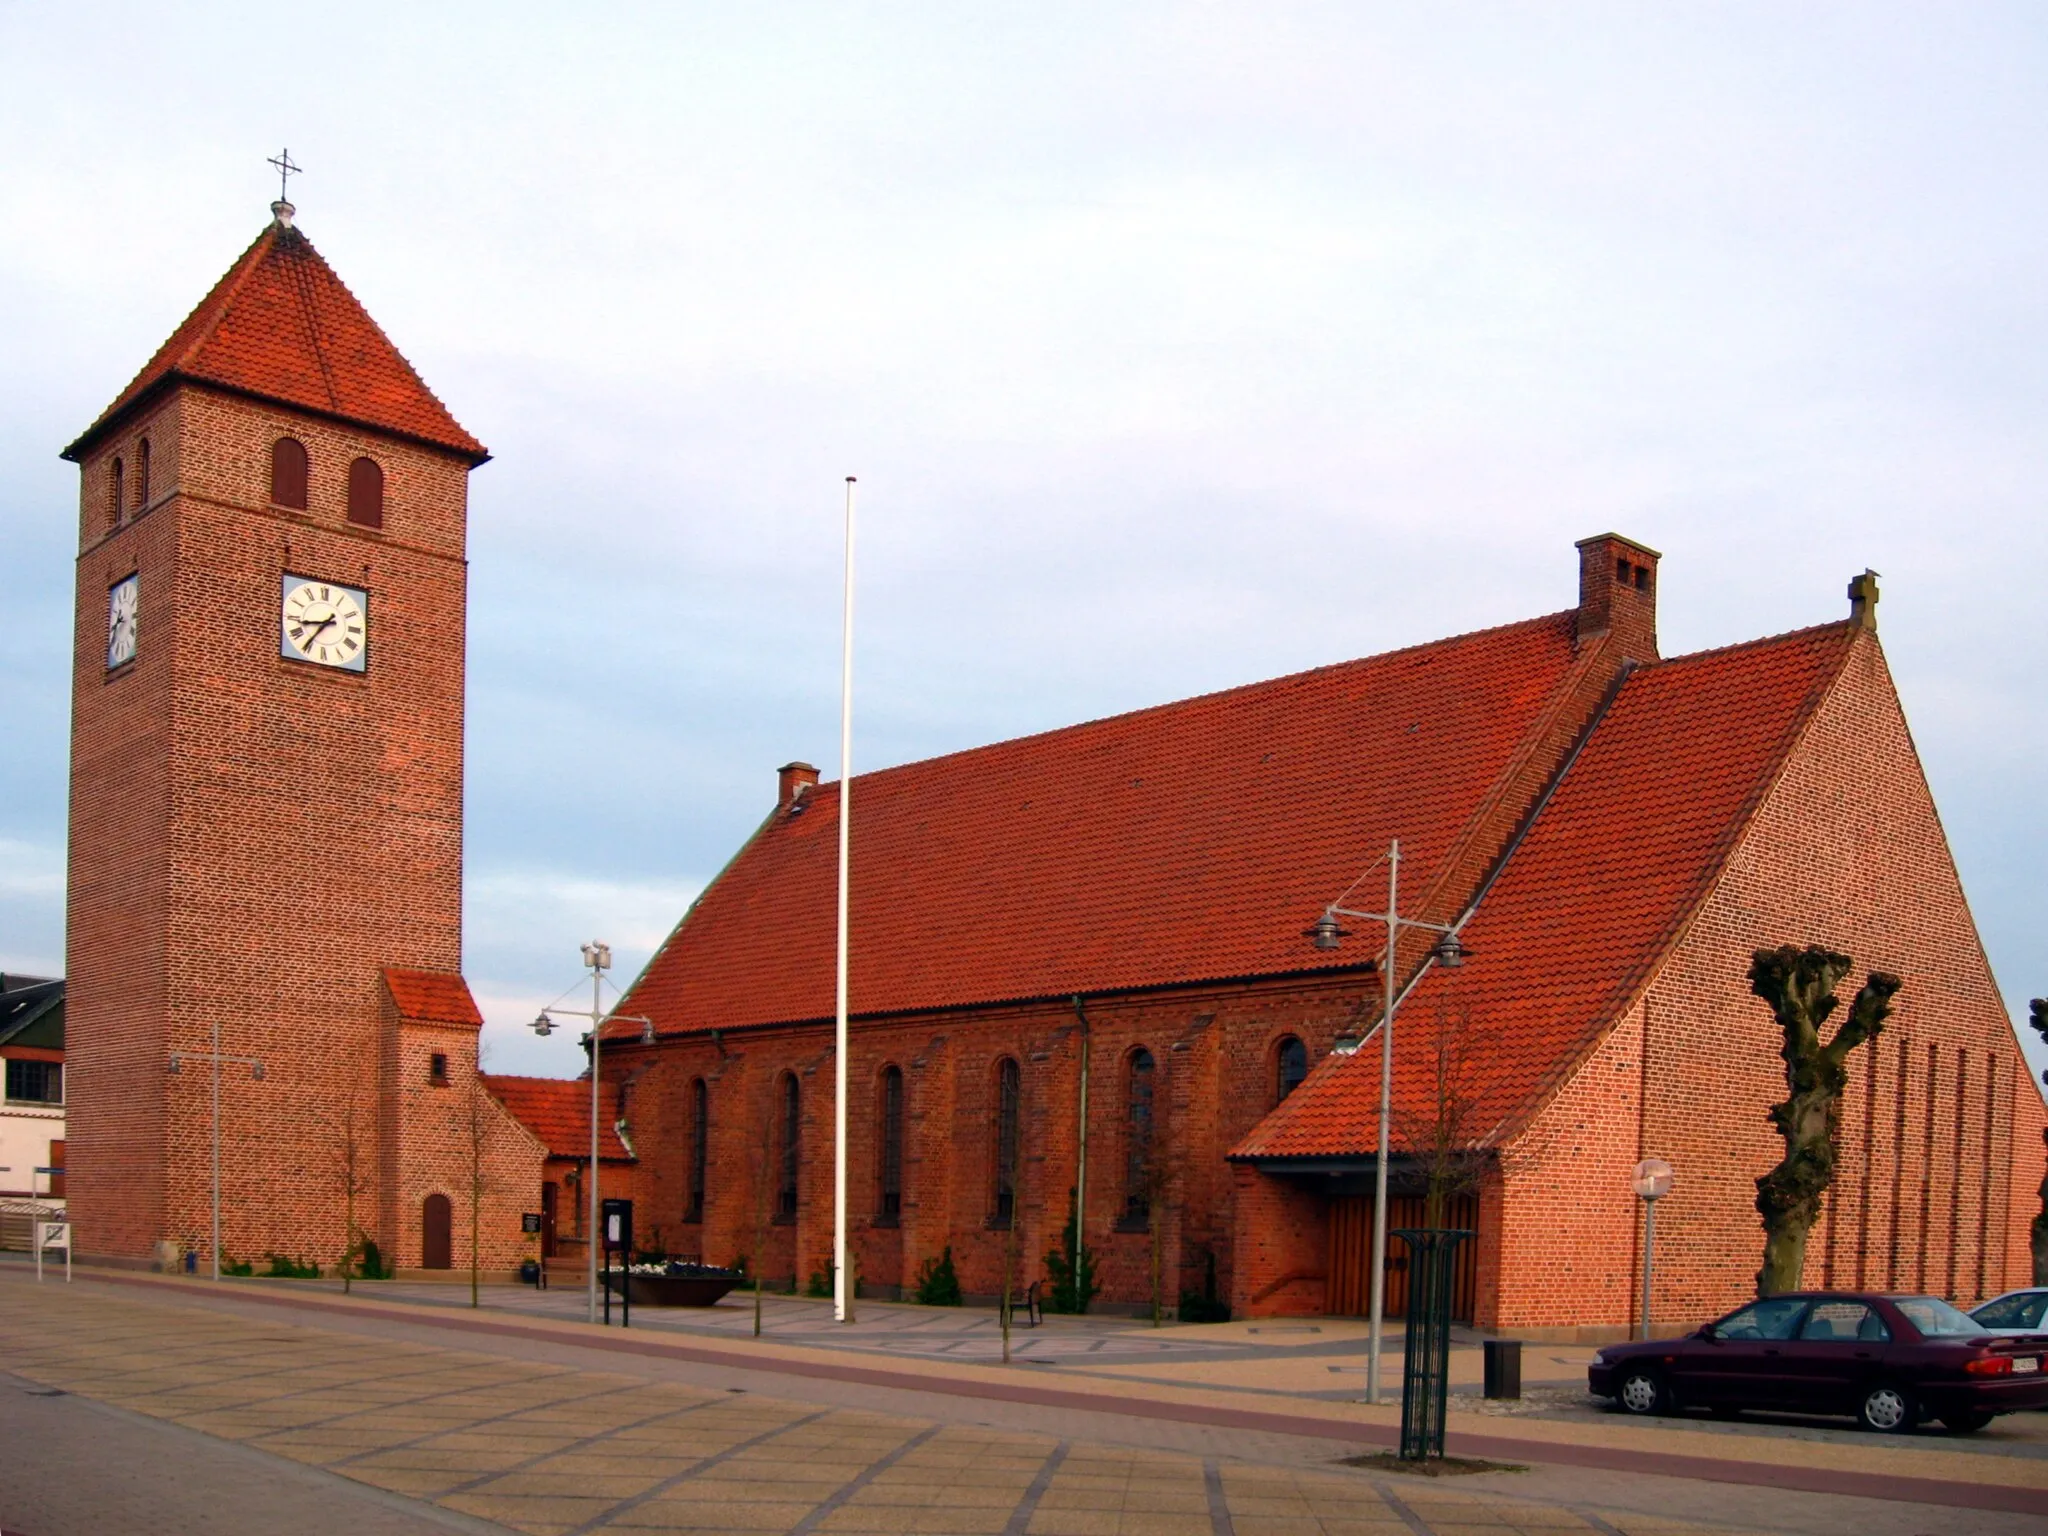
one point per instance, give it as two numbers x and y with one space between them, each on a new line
1940 1127
253 838
1214 1053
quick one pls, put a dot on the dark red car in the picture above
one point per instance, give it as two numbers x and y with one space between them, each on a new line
1891 1361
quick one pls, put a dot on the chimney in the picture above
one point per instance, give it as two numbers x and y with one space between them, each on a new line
791 781
1863 601
1618 594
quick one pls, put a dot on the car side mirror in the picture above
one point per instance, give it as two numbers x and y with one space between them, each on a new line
1706 1332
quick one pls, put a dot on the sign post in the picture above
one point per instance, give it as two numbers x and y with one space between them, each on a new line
1652 1181
618 1238
53 1234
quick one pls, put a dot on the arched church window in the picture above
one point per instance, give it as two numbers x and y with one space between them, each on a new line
789 1164
889 1164
1291 1061
700 1147
115 492
288 473
1139 1125
366 494
1008 1141
142 474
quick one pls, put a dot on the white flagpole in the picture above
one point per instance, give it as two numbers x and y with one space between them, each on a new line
842 1283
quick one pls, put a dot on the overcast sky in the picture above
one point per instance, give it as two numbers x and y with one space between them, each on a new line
1175 346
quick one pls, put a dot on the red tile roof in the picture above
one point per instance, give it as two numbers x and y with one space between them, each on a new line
1193 840
281 326
1608 876
557 1110
433 996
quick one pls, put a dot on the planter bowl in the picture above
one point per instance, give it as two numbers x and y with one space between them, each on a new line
672 1290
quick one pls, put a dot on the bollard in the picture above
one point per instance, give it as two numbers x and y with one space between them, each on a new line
1503 1367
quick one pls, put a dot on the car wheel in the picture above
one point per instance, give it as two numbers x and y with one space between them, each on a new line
1887 1409
1640 1392
1966 1423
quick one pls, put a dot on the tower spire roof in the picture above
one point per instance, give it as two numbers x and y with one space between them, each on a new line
280 326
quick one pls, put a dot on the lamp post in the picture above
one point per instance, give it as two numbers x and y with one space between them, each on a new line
214 1056
597 956
1652 1181
1450 954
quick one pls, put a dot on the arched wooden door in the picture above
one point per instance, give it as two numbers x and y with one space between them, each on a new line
437 1233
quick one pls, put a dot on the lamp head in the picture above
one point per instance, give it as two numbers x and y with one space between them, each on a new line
1324 932
1449 952
597 955
543 1025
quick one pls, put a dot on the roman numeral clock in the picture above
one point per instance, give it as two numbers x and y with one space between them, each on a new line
325 623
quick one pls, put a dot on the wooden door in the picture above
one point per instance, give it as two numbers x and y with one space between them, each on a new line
1349 1289
57 1178
437 1233
550 1202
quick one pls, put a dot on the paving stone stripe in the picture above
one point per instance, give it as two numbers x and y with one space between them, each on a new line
1020 1517
818 1516
627 1506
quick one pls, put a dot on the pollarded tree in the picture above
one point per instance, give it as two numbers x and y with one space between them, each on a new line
1799 984
2037 1015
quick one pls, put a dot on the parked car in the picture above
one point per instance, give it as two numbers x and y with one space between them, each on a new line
1889 1360
2014 1312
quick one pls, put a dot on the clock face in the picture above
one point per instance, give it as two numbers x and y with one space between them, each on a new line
325 623
122 599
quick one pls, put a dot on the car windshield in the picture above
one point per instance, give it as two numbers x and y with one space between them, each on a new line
2022 1309
1774 1318
1936 1319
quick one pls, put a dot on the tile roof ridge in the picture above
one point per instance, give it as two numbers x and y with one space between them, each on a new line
471 444
518 1077
1566 616
186 338
1712 869
1847 627
295 248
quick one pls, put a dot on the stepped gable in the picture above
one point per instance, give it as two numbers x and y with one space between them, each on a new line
1192 841
432 996
557 1111
1640 827
280 326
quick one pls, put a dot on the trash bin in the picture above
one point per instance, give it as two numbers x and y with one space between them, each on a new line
1503 1367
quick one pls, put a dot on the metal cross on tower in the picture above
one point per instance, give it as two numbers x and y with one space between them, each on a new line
285 172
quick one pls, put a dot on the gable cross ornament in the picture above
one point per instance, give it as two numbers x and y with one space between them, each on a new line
286 170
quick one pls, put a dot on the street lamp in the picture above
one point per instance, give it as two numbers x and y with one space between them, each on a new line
1326 933
597 956
214 1056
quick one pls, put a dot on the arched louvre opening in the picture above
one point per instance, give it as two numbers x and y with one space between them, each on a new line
288 473
366 494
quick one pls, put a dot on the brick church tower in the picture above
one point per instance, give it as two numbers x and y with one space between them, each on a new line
266 779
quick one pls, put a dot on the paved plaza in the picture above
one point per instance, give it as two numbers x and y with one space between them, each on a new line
363 1415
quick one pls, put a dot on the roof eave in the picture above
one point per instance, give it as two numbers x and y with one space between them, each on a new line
1061 995
127 410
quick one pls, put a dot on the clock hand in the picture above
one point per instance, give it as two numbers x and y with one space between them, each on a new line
307 643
